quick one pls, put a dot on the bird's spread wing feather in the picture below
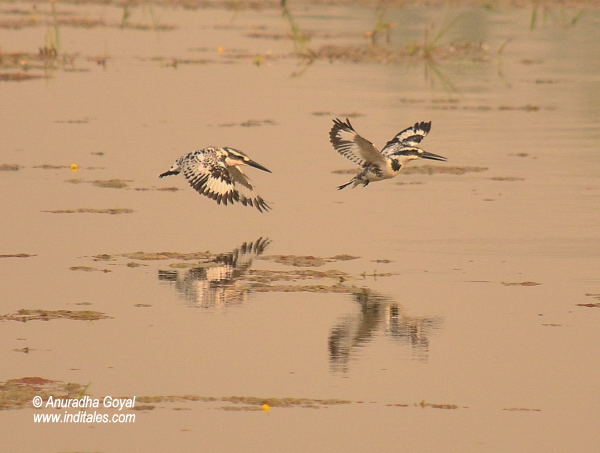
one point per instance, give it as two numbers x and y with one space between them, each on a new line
245 192
221 183
352 146
410 136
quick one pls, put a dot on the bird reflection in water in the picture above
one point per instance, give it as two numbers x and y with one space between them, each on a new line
216 282
377 313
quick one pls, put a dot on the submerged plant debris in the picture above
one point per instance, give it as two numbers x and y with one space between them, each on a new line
18 393
24 315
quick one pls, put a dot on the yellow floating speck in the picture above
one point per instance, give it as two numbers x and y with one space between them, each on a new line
265 407
220 49
74 167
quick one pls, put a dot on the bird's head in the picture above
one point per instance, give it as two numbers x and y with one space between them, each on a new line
236 157
407 154
174 170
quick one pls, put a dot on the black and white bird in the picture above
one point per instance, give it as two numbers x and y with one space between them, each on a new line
216 173
377 165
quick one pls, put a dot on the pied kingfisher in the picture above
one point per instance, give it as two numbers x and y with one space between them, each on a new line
377 165
215 172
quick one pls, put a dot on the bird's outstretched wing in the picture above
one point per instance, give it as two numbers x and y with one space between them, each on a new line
221 183
411 136
348 143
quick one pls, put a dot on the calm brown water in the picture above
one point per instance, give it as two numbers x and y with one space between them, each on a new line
433 314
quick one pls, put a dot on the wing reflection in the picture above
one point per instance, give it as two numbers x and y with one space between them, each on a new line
378 312
215 282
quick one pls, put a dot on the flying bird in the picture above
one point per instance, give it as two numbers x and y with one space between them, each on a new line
216 173
377 165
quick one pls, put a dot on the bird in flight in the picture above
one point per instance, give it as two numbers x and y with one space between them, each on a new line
377 165
216 173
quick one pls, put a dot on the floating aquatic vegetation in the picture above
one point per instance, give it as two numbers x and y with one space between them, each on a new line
408 183
243 403
174 62
250 123
521 283
73 121
339 115
295 260
591 304
266 276
437 406
18 76
388 54
24 315
9 167
295 288
50 166
151 256
88 269
521 409
72 167
103 183
55 20
18 393
159 189
488 108
507 178
111 211
16 255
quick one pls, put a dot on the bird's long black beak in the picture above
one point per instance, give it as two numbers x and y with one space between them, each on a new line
168 173
428 155
257 165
